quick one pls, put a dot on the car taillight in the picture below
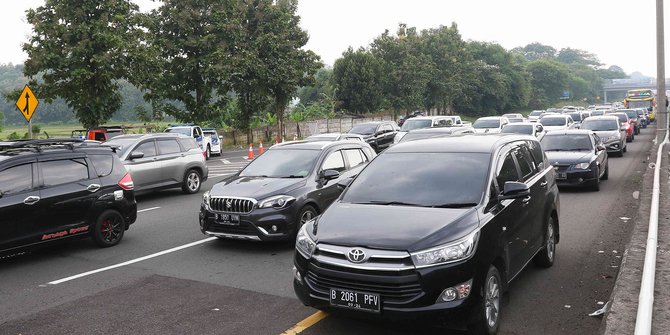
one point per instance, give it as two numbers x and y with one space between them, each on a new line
126 182
204 154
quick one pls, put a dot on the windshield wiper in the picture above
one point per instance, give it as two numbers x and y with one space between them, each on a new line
390 203
456 205
292 176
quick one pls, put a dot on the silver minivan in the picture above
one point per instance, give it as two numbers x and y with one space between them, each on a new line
159 161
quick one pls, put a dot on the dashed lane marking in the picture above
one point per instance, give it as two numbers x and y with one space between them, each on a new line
147 209
136 260
306 323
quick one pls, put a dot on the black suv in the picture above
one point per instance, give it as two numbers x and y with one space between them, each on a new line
378 134
56 189
280 190
443 241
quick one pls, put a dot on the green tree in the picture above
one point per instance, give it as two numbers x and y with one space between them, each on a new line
576 56
82 49
323 85
548 81
536 51
358 81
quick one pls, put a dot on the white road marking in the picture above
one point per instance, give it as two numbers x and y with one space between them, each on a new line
147 209
136 260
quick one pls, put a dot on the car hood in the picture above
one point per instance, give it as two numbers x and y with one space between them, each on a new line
393 227
255 187
568 157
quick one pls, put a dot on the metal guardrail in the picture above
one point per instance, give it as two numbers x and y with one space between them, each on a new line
646 299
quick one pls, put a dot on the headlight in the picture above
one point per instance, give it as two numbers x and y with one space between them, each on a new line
278 201
205 199
304 243
449 253
582 166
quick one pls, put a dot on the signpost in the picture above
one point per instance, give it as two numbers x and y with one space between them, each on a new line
27 103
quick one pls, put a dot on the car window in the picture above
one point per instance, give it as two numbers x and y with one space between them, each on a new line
537 154
99 136
334 161
355 157
188 143
197 132
102 163
63 171
168 147
387 128
147 148
526 164
16 179
507 171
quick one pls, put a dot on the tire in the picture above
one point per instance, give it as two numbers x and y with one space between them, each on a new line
546 257
108 229
307 213
606 175
488 311
192 182
596 183
625 148
208 152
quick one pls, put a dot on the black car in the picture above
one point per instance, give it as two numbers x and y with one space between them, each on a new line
54 189
378 134
578 156
442 242
283 188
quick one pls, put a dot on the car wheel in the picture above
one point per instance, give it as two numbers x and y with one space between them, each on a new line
306 213
606 175
192 182
545 258
208 153
596 183
625 148
487 320
108 229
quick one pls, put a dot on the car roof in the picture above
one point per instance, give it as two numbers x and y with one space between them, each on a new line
482 143
432 117
569 132
152 135
437 130
9 149
491 117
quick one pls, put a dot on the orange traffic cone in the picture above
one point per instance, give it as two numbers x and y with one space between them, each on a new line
260 149
250 153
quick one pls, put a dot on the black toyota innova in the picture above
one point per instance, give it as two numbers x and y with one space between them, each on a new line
436 227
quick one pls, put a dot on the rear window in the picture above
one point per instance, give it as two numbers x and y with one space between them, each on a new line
553 121
102 164
188 143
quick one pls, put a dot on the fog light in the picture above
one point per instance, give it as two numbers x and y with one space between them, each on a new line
460 291
581 180
296 275
274 228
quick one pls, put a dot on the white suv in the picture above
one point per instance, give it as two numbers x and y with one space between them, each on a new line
188 129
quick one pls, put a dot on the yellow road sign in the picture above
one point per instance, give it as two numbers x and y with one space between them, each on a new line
27 103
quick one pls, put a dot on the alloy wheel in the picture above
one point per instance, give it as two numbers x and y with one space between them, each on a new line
492 303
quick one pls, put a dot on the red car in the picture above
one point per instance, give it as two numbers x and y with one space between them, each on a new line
627 124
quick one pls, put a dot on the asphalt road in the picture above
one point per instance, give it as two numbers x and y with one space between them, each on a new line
234 287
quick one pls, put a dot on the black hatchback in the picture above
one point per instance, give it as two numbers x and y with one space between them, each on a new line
53 190
280 190
442 241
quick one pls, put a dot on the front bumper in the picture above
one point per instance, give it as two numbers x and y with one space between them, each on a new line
614 146
578 177
256 225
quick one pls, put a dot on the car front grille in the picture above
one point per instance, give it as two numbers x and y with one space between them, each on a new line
561 168
242 229
232 205
387 273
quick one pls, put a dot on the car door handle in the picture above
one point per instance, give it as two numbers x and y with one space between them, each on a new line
93 188
31 200
525 201
544 183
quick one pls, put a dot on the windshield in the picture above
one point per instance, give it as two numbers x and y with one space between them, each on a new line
598 113
562 142
600 125
416 124
489 123
576 116
363 129
639 104
518 129
286 163
436 180
123 144
515 120
537 113
185 131
553 121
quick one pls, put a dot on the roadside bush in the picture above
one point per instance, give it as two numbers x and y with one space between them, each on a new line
14 136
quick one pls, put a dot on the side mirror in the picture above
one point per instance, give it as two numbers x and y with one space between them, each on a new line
136 155
220 137
329 174
342 184
600 147
514 190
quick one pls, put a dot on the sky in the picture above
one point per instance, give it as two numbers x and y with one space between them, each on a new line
618 32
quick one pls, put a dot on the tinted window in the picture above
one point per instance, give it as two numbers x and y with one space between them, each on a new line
355 157
553 121
122 144
102 163
364 129
526 163
436 179
16 179
188 143
282 163
507 172
184 131
63 171
519 129
567 143
147 148
334 161
537 154
168 147
387 128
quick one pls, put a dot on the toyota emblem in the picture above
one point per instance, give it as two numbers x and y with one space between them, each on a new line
356 255
229 203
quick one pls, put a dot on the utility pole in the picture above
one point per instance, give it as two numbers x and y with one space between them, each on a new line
660 62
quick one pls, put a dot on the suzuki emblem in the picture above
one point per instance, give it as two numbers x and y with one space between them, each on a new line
229 203
356 255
